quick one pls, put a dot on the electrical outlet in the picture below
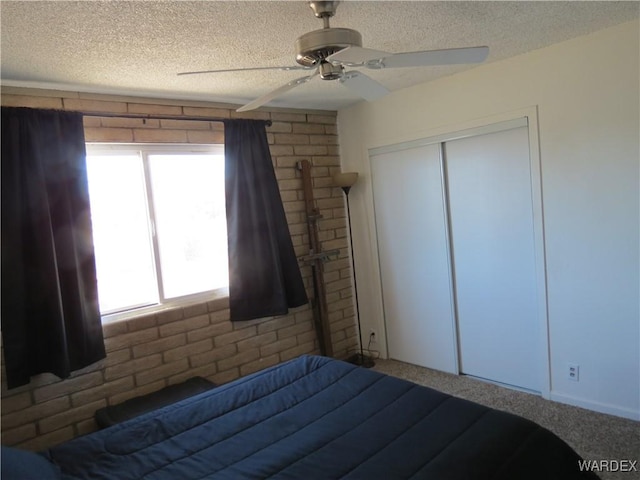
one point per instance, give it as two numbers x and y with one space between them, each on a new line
372 336
573 372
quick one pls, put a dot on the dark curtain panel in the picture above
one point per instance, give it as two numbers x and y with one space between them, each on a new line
264 276
50 315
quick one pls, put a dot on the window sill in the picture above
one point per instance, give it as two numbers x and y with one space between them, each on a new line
182 302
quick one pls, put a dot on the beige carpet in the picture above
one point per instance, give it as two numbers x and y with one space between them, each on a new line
595 436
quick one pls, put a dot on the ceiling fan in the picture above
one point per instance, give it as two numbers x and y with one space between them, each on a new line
329 51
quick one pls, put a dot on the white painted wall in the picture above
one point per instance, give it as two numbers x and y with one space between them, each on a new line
587 94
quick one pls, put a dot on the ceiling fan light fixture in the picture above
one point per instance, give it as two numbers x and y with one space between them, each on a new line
328 71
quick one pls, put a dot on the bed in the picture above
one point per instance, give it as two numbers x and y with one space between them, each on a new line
319 418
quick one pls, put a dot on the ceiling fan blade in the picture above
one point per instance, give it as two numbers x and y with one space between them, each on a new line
362 85
451 56
258 102
351 56
286 69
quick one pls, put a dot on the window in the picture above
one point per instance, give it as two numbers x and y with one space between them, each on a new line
159 225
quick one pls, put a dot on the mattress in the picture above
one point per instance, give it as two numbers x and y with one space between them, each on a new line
319 418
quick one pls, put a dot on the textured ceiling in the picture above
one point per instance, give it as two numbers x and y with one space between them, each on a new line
137 47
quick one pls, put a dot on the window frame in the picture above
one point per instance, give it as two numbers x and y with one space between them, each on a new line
144 150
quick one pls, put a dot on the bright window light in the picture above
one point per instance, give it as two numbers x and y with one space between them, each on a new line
190 226
159 223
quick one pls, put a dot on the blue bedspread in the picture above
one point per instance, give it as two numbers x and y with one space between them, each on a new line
317 418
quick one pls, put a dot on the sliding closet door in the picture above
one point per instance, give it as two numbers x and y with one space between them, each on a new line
492 237
413 255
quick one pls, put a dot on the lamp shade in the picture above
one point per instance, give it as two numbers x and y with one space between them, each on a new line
346 179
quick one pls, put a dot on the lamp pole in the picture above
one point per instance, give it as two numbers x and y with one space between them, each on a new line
345 181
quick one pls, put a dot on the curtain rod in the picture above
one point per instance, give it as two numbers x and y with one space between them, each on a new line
146 116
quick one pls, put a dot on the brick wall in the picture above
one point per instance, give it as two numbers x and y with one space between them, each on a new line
149 352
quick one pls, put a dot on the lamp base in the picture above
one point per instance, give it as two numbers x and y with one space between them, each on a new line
361 360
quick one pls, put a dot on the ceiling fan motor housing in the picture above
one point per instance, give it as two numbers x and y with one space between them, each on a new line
315 46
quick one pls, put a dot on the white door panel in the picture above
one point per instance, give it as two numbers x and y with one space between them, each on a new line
492 237
413 256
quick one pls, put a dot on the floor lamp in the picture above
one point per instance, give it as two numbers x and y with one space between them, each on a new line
346 181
